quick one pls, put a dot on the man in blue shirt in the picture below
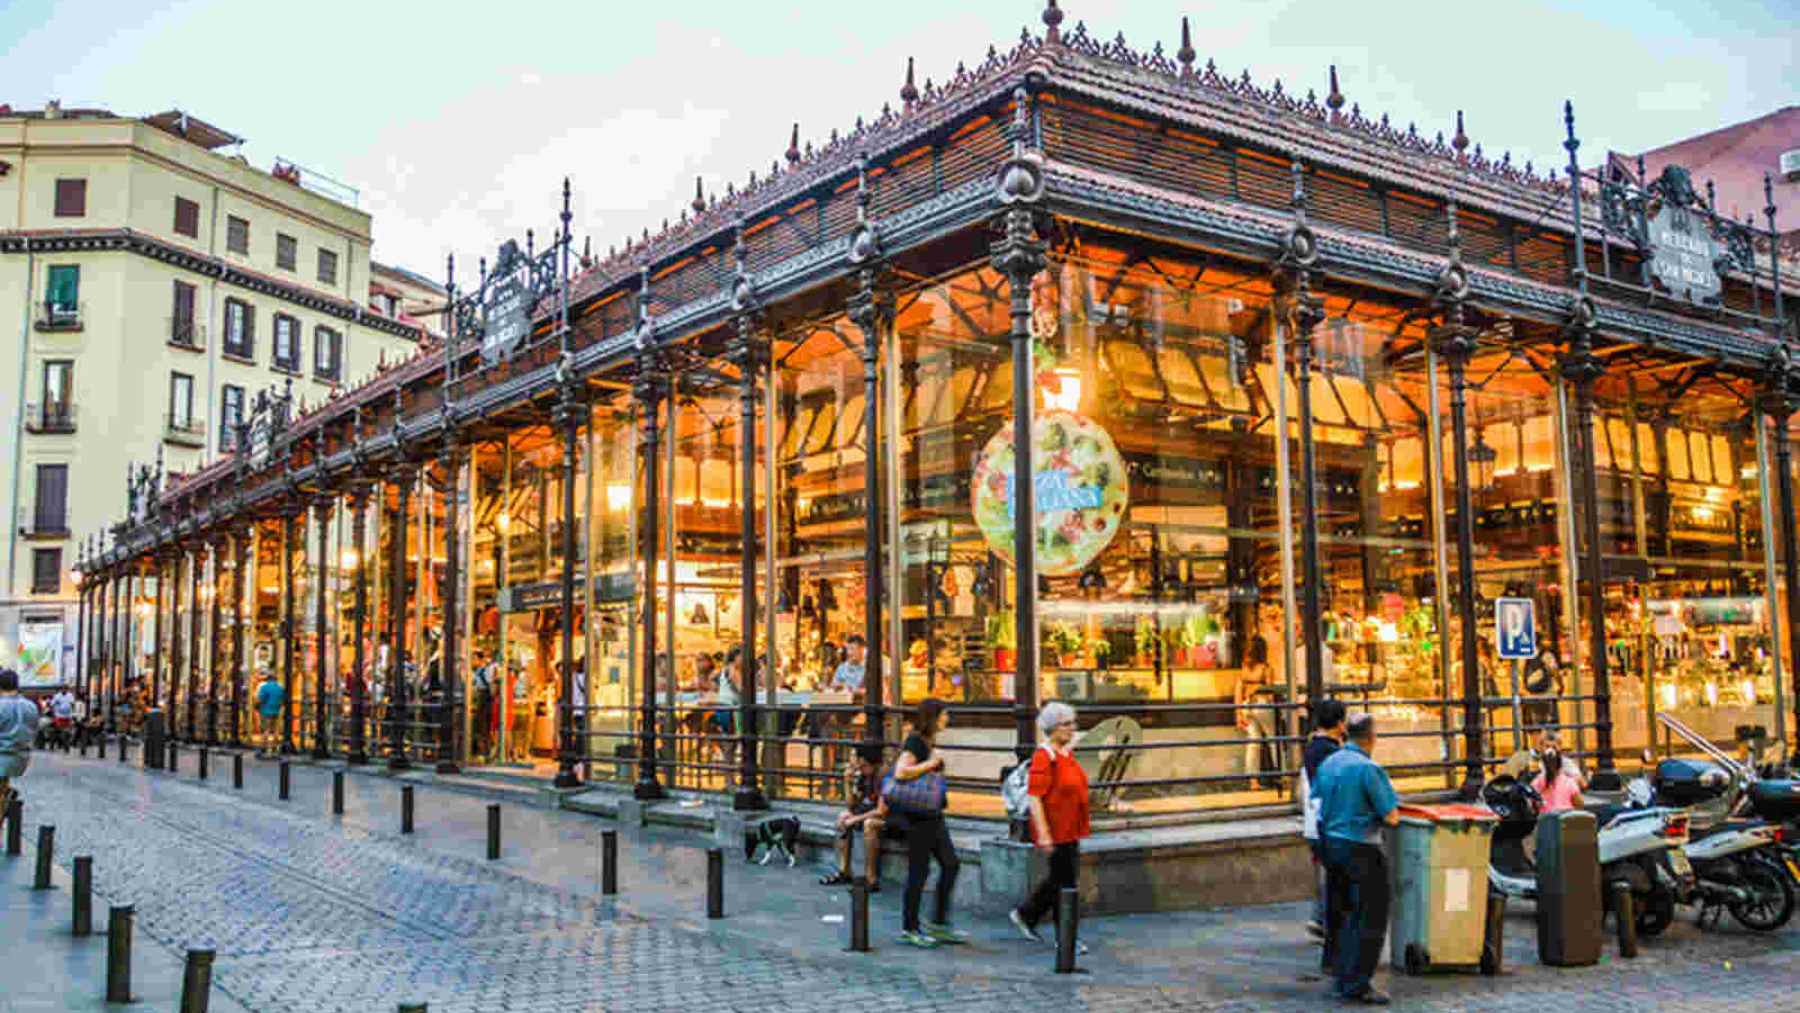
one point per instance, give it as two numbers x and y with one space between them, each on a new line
849 675
1356 801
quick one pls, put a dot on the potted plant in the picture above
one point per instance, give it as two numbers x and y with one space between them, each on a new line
1180 646
1001 639
1066 641
1102 650
1146 642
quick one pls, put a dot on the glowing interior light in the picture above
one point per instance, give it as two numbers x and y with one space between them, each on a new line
1067 395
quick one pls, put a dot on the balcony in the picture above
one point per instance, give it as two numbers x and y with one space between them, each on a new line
50 417
184 430
60 316
43 524
185 333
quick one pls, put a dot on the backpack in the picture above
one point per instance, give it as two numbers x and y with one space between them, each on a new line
1015 789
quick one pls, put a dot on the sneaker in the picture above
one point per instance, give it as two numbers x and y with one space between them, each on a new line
919 939
1315 930
945 934
1369 997
1026 929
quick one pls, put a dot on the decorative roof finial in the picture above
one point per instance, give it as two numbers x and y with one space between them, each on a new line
1461 141
1186 53
793 148
908 93
1053 16
1299 200
1335 99
699 203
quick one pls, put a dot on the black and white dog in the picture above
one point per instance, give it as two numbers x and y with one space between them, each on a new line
772 837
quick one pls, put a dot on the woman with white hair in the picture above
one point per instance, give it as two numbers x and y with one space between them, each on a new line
1059 815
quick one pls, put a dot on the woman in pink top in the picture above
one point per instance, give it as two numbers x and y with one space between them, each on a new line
1558 787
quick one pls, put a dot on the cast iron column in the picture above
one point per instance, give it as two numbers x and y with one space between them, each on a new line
650 390
449 667
1581 368
242 584
220 543
156 641
175 640
1019 255
749 355
403 477
321 739
359 527
290 628
1780 402
567 419
113 674
193 690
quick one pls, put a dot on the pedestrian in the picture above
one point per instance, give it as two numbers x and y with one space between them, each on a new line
62 719
1255 726
915 795
1058 789
1356 800
1556 784
863 813
18 725
1327 736
270 699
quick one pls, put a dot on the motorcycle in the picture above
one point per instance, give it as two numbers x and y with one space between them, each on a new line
1639 845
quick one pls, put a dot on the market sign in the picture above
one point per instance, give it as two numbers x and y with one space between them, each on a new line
1683 254
1079 487
506 313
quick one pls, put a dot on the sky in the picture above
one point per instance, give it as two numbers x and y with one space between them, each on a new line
457 128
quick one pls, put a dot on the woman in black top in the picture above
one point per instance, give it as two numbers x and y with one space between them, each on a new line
926 836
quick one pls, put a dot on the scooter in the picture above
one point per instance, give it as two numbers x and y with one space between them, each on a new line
1639 845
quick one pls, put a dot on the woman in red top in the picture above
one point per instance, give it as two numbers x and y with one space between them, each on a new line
1059 815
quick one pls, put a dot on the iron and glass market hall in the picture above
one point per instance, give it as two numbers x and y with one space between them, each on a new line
1315 406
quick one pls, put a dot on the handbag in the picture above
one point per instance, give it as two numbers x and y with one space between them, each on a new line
923 794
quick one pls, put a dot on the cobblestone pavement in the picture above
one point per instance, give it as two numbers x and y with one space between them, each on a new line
311 912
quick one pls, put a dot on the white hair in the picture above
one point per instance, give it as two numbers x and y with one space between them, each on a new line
1052 714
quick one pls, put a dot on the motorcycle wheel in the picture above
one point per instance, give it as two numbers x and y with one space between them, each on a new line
1772 900
1655 913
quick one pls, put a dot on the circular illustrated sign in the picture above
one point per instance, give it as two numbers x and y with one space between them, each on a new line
1079 484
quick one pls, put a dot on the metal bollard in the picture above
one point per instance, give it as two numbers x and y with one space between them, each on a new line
237 770
337 793
406 808
172 758
1068 915
284 782
118 953
196 981
81 745
715 883
100 748
859 915
205 759
46 854
609 862
81 911
413 1007
1625 912
15 823
493 811
124 749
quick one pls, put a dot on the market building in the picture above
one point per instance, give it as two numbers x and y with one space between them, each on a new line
157 282
1312 400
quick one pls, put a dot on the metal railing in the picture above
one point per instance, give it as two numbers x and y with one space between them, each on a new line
186 429
60 315
50 417
186 332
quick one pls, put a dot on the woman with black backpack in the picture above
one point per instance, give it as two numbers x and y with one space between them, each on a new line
914 793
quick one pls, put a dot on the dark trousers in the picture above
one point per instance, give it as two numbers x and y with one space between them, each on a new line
1065 868
927 839
1356 911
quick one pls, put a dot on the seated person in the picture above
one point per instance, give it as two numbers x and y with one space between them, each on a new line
1557 784
864 809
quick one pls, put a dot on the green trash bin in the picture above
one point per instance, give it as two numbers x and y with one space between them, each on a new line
1438 858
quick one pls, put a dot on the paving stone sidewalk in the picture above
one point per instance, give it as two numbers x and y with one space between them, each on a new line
315 912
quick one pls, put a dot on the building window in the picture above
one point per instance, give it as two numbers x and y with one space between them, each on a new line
240 329
181 402
71 198
328 267
181 317
287 252
187 217
327 353
231 414
57 413
287 343
62 295
237 235
50 510
46 571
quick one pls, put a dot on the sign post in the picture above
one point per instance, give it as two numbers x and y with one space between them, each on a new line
1515 637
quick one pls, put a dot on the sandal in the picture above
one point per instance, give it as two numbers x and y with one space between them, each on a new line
835 879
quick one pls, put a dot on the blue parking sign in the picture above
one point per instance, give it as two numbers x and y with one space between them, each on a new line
1515 628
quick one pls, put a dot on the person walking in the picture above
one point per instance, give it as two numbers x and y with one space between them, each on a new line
271 697
1256 726
919 807
18 727
1356 800
1327 736
1058 789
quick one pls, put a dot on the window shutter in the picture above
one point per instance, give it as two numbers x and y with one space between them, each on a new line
65 285
187 217
184 302
71 198
52 497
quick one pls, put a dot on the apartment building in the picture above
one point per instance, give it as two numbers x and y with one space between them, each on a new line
157 282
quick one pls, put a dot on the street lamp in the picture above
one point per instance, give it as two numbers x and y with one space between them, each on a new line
1481 460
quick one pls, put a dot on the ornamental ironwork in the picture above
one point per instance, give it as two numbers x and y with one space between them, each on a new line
498 312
